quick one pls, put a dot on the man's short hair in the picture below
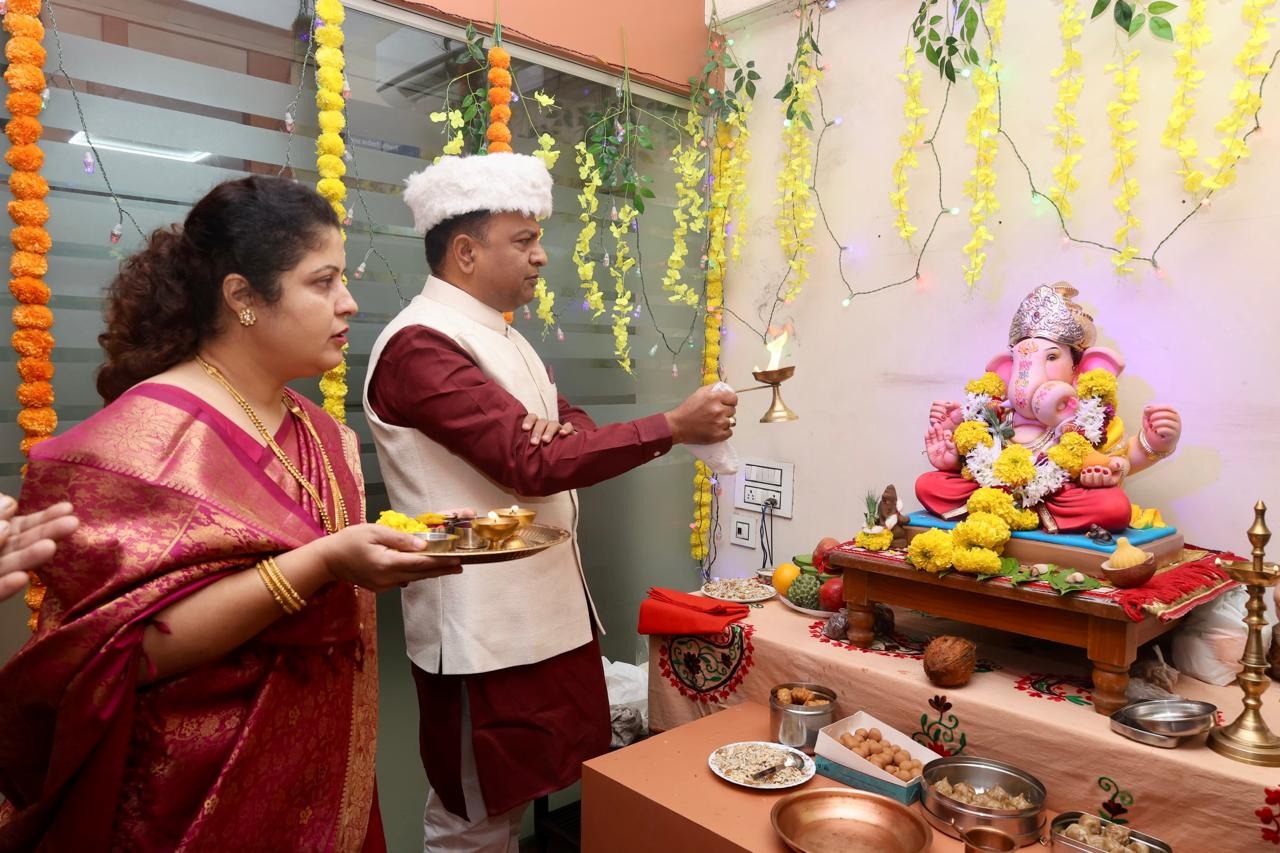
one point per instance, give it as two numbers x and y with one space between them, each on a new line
474 224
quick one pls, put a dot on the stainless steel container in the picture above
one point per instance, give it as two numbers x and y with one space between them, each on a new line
796 725
1058 841
953 817
1170 717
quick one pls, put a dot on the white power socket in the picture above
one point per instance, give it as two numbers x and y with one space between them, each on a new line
743 532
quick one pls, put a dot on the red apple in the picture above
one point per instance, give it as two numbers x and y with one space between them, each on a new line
831 594
820 552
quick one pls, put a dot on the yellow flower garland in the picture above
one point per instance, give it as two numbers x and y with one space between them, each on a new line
796 214
914 112
499 76
731 186
587 201
622 305
688 159
931 551
1066 134
969 435
28 264
1124 146
330 63
1191 35
1245 98
981 132
699 538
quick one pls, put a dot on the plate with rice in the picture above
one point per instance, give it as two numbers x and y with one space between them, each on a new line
738 763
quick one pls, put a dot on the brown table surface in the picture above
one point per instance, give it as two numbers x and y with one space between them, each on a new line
660 795
1109 637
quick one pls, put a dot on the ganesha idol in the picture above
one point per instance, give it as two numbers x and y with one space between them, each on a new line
1042 424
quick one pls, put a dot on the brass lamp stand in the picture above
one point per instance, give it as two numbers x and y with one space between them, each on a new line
778 411
1248 739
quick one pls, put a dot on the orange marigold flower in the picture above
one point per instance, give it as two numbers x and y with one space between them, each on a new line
25 78
32 317
23 24
35 369
29 212
500 77
41 421
24 50
27 158
501 113
31 238
27 186
499 95
35 395
498 132
28 290
26 444
24 7
499 148
24 130
499 58
24 103
28 263
32 343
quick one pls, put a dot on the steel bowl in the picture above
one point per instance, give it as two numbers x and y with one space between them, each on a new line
438 542
1131 576
796 725
1059 841
1171 717
838 820
954 817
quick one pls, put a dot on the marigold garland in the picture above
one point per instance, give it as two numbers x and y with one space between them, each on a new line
1191 35
981 132
914 111
622 306
1124 147
498 134
330 148
28 264
1065 130
797 213
1246 99
589 204
688 159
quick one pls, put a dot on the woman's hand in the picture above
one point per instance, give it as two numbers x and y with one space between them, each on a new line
379 558
28 541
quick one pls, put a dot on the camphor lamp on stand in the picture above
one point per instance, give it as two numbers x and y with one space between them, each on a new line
1248 739
773 377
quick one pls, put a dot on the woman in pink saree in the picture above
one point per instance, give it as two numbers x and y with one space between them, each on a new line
203 672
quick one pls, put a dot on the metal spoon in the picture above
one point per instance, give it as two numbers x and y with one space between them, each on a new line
790 761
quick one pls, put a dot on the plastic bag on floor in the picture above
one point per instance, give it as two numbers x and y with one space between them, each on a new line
1210 642
628 687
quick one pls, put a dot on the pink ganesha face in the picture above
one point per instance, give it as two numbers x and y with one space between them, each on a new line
1040 375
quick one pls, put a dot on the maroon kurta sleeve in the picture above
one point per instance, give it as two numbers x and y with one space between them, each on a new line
425 381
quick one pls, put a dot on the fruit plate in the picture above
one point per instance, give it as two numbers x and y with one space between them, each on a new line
796 607
533 539
733 762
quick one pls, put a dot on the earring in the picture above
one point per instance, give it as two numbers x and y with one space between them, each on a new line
247 317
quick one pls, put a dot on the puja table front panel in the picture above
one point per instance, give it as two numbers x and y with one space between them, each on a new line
1100 627
660 795
1030 703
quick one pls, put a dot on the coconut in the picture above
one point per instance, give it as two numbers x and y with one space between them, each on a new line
950 661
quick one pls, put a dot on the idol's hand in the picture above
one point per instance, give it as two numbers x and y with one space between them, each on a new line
28 541
379 558
940 447
542 430
1161 427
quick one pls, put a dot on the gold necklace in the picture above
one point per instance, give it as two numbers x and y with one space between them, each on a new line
339 504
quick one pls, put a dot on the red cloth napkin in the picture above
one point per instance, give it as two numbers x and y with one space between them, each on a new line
669 611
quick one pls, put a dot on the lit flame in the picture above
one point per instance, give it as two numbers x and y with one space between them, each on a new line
493 515
775 350
514 509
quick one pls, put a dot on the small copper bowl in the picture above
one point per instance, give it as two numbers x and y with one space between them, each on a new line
1131 576
523 516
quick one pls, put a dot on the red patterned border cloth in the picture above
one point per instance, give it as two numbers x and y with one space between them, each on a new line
1172 593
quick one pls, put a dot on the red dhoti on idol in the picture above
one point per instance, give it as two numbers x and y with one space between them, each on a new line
1073 508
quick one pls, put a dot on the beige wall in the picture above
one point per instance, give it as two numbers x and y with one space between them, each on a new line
1203 338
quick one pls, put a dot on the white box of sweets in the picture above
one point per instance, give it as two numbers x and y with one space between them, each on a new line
836 761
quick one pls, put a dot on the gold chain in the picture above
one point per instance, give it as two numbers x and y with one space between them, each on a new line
307 485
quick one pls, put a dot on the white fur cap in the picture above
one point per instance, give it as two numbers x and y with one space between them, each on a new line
495 182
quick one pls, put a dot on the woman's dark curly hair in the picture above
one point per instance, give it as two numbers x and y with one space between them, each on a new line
166 300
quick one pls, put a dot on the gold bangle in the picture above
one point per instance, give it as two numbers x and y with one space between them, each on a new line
286 589
1146 448
269 583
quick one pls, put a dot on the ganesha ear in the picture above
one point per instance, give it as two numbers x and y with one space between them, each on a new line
1002 366
1101 357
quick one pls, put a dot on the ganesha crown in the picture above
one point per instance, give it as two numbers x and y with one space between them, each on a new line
1048 313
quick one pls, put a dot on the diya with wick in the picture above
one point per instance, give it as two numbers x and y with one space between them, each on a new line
524 517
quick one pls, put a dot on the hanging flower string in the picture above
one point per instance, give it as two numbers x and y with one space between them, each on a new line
32 318
796 213
1123 146
589 204
732 180
1191 36
622 305
1065 130
981 131
914 111
499 134
330 148
689 216
1246 97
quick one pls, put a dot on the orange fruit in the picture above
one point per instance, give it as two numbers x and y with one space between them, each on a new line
783 575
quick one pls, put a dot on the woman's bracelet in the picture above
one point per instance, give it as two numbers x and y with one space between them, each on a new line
1147 449
279 587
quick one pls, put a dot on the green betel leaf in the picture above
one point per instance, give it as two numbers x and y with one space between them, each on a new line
1009 565
1099 8
1123 14
1160 28
1058 580
1021 575
1160 7
1135 26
